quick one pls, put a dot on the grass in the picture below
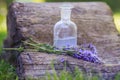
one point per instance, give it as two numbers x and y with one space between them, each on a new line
76 75
117 21
3 32
66 75
30 0
7 71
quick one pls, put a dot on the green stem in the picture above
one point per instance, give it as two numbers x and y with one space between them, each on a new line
30 50
31 44
20 49
41 48
33 41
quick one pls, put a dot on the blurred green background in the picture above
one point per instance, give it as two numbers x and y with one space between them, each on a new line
114 4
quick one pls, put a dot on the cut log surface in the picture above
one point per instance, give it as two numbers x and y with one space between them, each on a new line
36 64
95 25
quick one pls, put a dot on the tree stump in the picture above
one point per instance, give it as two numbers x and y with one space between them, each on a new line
36 20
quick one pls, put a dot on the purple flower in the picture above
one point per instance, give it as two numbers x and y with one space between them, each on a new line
56 48
92 48
81 50
66 49
87 52
62 60
75 55
87 55
78 56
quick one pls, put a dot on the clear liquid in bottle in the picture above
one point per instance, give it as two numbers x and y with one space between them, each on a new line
65 31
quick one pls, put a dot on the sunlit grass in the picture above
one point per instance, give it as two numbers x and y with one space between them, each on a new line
39 0
2 31
3 25
30 0
117 21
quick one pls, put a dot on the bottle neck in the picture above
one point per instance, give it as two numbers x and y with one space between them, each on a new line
65 14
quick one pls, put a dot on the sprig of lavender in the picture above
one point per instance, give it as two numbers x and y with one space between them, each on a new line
87 52
87 56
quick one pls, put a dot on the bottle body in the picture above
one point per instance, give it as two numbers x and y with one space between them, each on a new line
65 31
65 34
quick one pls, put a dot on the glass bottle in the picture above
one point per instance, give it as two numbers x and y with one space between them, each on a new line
65 31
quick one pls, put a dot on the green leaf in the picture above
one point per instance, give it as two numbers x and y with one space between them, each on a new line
117 77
